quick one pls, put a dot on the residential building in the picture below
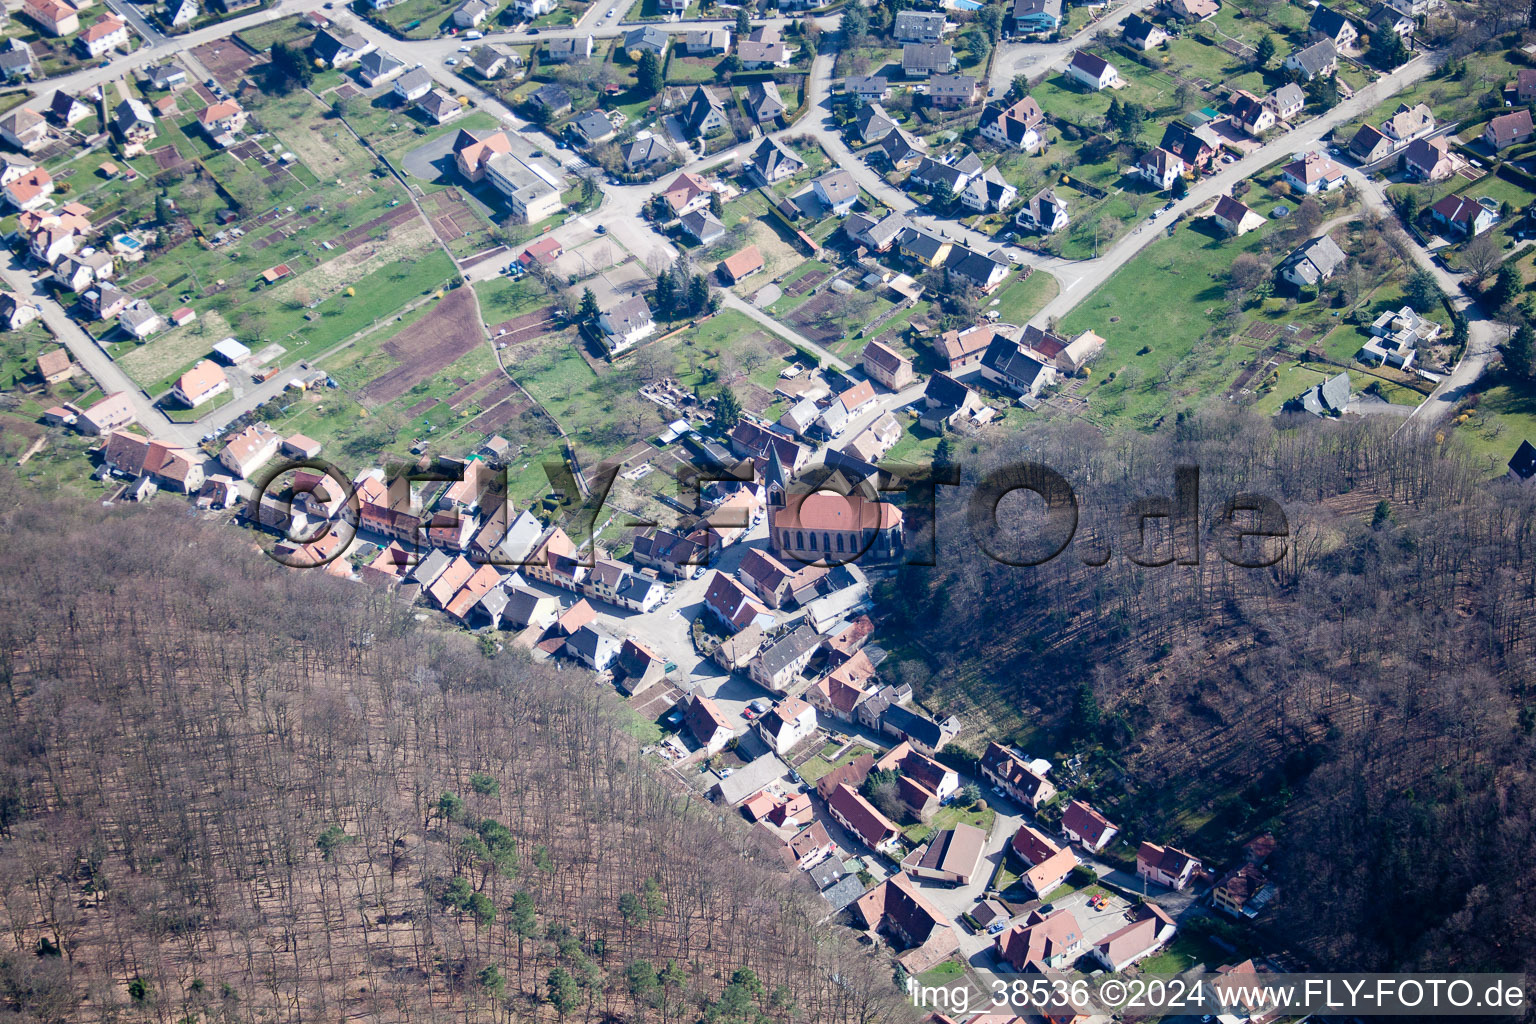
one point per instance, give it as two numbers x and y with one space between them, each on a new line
1196 146
378 67
1313 263
591 128
55 366
16 312
1017 127
646 39
707 43
1251 114
65 110
763 103
1508 129
16 63
919 60
837 191
553 99
111 31
1287 101
1161 168
134 456
220 121
645 154
868 88
54 17
1430 159
947 403
1009 365
1046 212
203 383
876 440
707 724
733 605
1194 10
1458 216
776 666
1036 16
470 14
439 106
250 449
1052 940
139 319
704 114
1082 824
490 61
763 48
1332 26
702 226
1244 891
25 129
951 92
918 27
902 151
338 48
593 646
924 785
1151 930
771 163
1141 33
886 367
1167 866
871 123
1015 777
109 414
921 933
1092 71
625 324
1234 218
1409 123
980 270
1370 145
568 50
30 191
1313 173
860 817
1319 58
791 721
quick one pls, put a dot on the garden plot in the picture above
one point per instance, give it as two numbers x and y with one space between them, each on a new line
169 354
225 60
405 241
449 331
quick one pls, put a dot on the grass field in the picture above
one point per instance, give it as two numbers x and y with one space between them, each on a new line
1022 298
283 30
949 817
1505 415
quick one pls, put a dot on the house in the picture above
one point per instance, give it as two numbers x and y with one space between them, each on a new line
1430 159
1286 101
593 646
704 114
220 121
30 191
25 129
1313 173
741 265
1094 72
732 604
1141 33
139 319
16 312
531 9
1036 16
919 60
790 722
947 403
1082 824
1522 464
707 43
1332 26
203 383
378 67
1009 365
54 17
1244 891
592 128
763 102
1151 930
1323 398
1522 90
898 910
877 235
567 50
1047 865
471 13
65 110
842 409
1385 18
872 123
902 151
1014 776
1196 146
1508 129
1459 216
868 88
702 226
1046 212
836 191
413 85
771 163
762 48
626 323
1050 939
924 785
1251 114
951 92
55 366
109 32
932 174
1077 353
1370 145
1194 10
1409 123
136 456
887 367
490 61
980 270
872 444
860 817
552 99
16 61
1234 218
105 301
250 449
1160 167
646 39
644 154
776 666
1313 263
1319 58
1167 866
338 49
439 106
707 724
1017 127
918 27
298 446
109 414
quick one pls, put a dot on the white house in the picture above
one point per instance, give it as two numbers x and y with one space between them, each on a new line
1094 72
625 324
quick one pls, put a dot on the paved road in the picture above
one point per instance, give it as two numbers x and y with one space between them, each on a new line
1035 60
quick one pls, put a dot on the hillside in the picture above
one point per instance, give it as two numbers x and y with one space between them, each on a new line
231 790
1368 696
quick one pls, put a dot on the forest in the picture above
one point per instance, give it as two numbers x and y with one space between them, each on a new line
233 791
1368 696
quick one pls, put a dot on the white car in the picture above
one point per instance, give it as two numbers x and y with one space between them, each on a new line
452 62
463 49
477 34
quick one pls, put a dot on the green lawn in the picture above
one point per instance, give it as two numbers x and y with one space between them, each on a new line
1022 298
1184 952
261 37
949 817
1505 415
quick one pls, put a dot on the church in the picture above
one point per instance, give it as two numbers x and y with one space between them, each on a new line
826 527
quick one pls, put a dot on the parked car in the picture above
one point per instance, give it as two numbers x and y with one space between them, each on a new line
602 229
451 61
474 35
463 49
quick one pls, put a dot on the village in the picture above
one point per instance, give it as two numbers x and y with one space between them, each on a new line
654 303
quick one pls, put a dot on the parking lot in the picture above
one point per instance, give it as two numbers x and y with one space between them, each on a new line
1097 924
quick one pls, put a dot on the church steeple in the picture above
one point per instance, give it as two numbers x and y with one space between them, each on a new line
775 479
